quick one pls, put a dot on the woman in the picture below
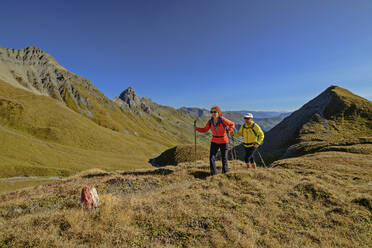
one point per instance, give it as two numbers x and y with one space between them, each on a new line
253 138
217 124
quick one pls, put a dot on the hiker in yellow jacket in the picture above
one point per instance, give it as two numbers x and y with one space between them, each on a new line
253 138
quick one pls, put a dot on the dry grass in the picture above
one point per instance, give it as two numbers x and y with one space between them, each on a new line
318 200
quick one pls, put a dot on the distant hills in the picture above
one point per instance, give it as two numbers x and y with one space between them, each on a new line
266 119
201 112
198 112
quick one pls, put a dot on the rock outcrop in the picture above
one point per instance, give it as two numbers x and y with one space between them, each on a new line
129 99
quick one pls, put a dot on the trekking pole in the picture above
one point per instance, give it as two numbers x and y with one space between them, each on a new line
195 140
261 158
233 151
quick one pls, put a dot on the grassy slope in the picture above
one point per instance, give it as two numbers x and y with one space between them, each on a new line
346 124
165 125
318 200
348 117
40 136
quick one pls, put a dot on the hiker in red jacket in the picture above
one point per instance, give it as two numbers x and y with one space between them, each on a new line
217 124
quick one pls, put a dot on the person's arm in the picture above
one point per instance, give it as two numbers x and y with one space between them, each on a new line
260 134
204 129
230 124
239 133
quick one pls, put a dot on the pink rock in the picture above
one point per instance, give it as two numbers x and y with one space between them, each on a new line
89 198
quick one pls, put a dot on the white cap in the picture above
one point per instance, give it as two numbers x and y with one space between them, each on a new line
248 115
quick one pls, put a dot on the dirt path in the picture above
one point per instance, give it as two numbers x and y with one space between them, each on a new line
26 179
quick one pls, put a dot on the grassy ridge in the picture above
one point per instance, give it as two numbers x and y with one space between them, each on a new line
335 117
347 116
318 200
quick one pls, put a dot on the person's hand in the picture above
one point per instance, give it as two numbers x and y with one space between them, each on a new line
255 146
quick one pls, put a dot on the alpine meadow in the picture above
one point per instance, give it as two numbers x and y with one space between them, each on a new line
211 124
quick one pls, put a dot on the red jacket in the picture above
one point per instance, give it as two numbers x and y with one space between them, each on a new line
219 133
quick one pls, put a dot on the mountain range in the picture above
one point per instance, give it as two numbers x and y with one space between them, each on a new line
316 193
47 112
52 110
202 112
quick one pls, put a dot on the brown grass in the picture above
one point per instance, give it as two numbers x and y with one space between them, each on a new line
318 200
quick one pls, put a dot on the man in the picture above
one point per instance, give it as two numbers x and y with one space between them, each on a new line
253 138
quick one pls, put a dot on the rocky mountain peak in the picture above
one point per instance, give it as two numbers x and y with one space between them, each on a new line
31 55
130 97
33 69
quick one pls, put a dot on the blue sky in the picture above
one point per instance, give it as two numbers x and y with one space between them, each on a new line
238 54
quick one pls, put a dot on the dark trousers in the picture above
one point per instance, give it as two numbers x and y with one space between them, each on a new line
212 157
249 153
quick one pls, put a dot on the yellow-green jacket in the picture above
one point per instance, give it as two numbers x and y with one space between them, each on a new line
252 134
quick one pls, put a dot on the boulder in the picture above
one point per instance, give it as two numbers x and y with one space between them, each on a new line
89 198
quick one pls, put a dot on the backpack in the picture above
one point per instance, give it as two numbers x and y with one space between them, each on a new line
218 122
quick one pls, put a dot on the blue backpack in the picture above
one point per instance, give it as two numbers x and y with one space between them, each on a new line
218 122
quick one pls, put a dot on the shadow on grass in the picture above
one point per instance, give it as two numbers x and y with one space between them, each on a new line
96 175
161 171
200 174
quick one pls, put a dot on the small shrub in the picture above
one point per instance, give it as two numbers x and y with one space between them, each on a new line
180 154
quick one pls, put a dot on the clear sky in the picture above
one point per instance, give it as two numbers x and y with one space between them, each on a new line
238 54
